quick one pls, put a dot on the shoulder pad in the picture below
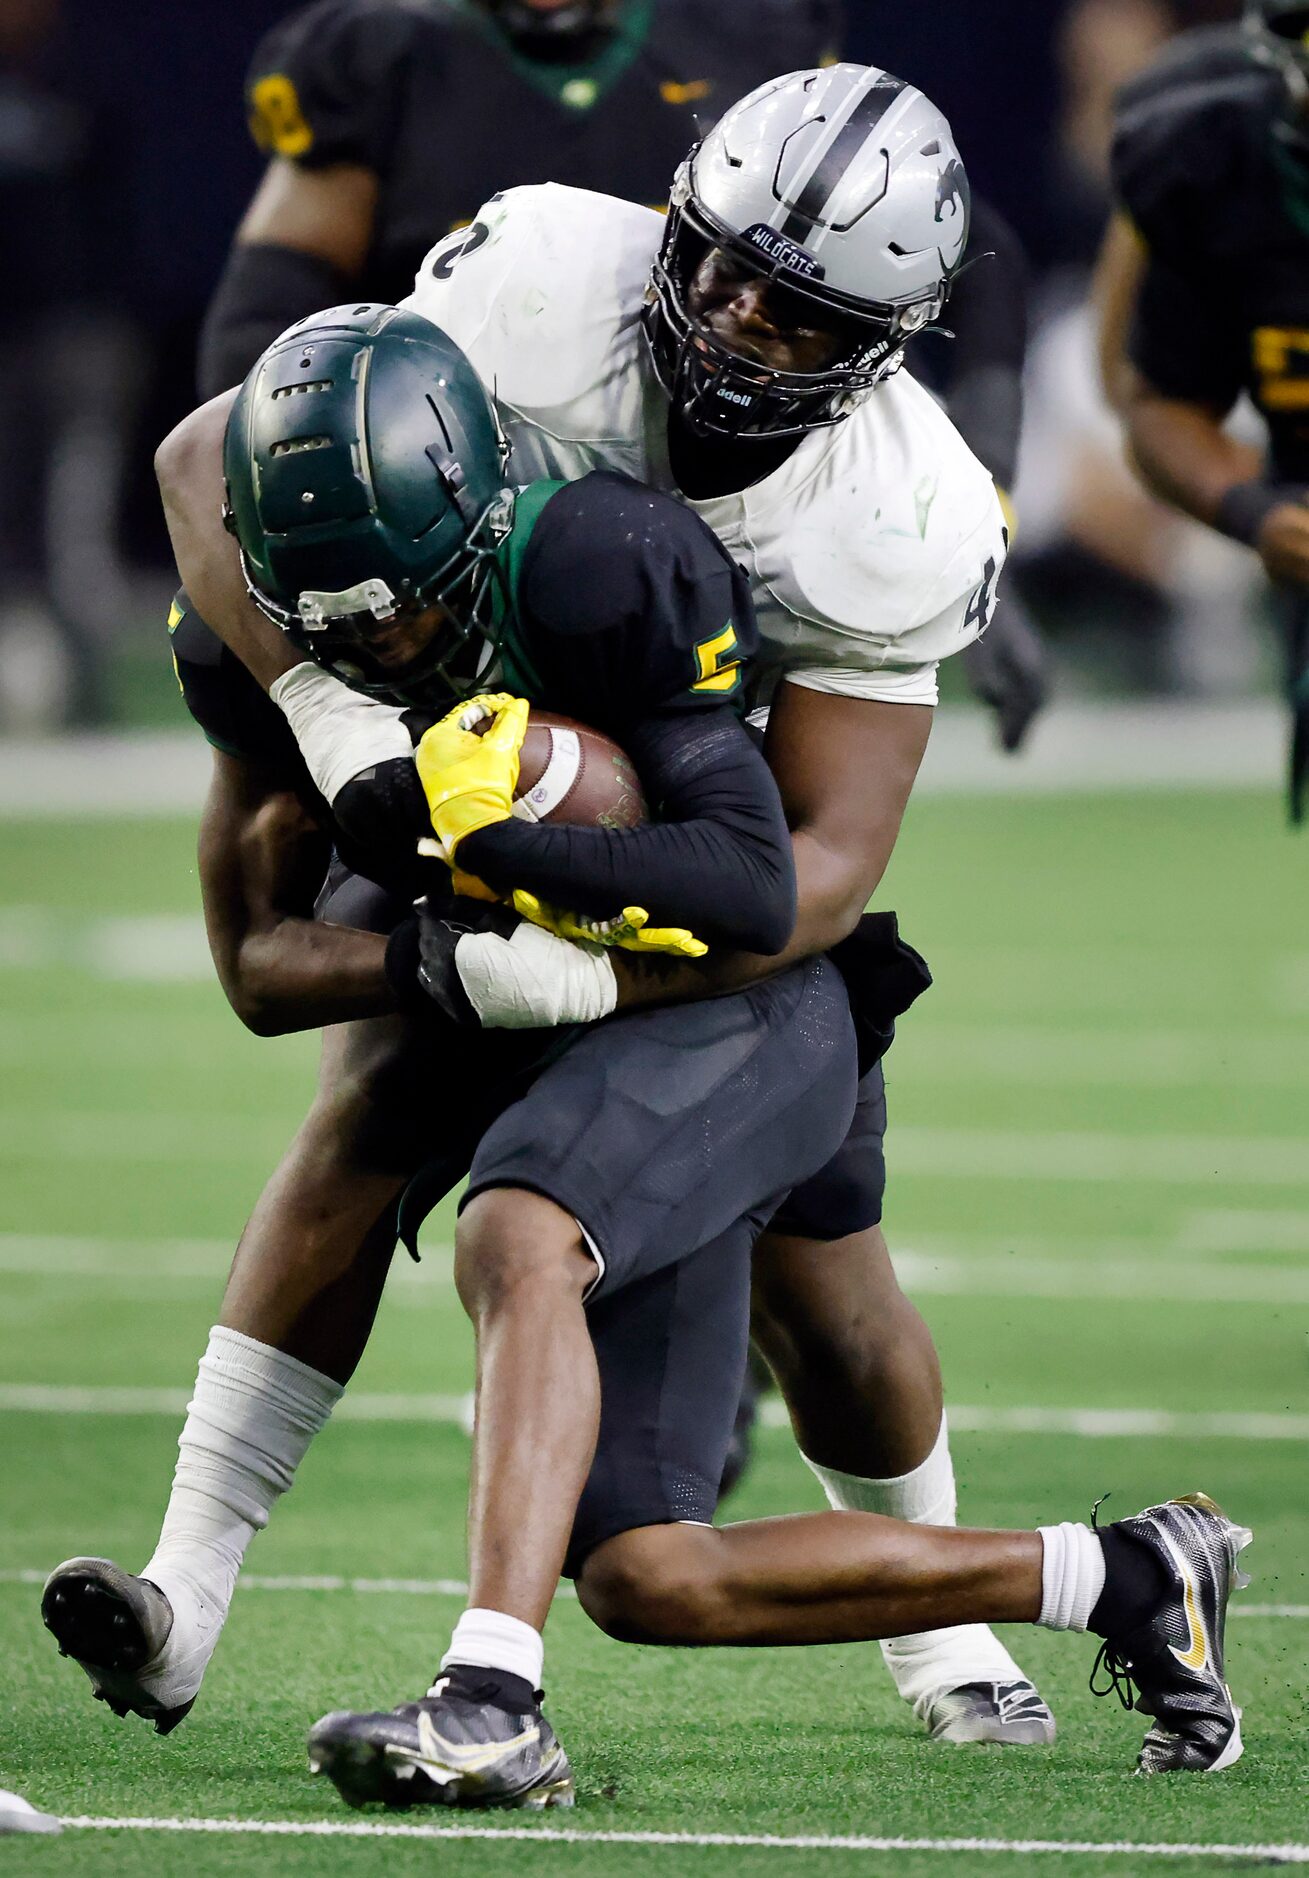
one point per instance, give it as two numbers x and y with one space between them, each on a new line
879 542
321 87
544 292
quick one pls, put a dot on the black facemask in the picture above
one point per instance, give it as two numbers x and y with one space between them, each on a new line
564 32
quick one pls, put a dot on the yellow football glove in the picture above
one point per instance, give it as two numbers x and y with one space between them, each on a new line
631 931
469 780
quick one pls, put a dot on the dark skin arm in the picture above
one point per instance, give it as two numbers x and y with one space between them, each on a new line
189 465
1178 445
262 861
303 244
328 213
845 767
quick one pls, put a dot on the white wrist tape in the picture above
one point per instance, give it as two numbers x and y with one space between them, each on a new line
534 980
340 732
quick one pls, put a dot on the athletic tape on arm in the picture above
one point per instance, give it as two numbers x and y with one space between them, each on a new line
340 733
534 980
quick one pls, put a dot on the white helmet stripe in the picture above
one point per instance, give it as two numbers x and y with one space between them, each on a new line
809 193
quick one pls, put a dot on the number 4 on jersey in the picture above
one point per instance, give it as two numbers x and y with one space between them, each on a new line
982 604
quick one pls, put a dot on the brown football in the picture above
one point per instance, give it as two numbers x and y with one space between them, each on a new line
571 773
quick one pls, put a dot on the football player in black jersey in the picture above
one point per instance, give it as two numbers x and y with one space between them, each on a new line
1205 285
592 1190
424 579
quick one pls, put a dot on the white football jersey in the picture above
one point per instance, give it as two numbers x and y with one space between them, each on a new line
872 552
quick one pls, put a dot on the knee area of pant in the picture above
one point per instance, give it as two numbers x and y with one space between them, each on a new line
509 1240
656 1584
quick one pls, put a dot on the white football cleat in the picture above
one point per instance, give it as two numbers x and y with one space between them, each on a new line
964 1687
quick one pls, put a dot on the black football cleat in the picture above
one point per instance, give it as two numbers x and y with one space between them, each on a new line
113 1626
459 1746
1011 1714
1174 1660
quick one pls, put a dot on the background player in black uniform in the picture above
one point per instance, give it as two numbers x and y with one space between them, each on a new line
1205 281
389 122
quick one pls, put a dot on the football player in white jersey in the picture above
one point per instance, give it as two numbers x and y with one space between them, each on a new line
744 357
871 534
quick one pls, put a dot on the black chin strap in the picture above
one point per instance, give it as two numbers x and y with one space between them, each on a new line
564 32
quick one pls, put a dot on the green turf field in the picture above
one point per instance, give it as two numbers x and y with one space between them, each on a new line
1100 1188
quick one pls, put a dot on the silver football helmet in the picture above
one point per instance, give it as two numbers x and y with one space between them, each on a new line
846 188
1278 32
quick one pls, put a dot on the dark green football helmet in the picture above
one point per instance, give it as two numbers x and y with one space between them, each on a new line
366 486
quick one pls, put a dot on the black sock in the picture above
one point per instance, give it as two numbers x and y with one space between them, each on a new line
472 1682
1134 1581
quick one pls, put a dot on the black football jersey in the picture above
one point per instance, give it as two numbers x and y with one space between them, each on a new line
623 605
620 610
434 98
1209 169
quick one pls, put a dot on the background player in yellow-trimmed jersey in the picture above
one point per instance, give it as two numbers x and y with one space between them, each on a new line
1205 288
812 234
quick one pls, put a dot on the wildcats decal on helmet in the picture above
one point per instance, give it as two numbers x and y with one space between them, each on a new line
782 252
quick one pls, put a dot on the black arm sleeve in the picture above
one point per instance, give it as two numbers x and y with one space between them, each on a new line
1183 342
263 290
234 714
721 864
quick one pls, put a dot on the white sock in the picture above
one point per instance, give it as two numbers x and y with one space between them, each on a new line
1072 1575
925 1495
253 1415
491 1640
929 1661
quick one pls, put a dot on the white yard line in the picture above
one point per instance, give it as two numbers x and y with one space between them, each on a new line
70 1136
1075 748
1153 1159
1145 1278
945 1267
1059 1058
154 948
204 1261
75 1399
1191 1161
457 1588
851 1842
1244 1229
